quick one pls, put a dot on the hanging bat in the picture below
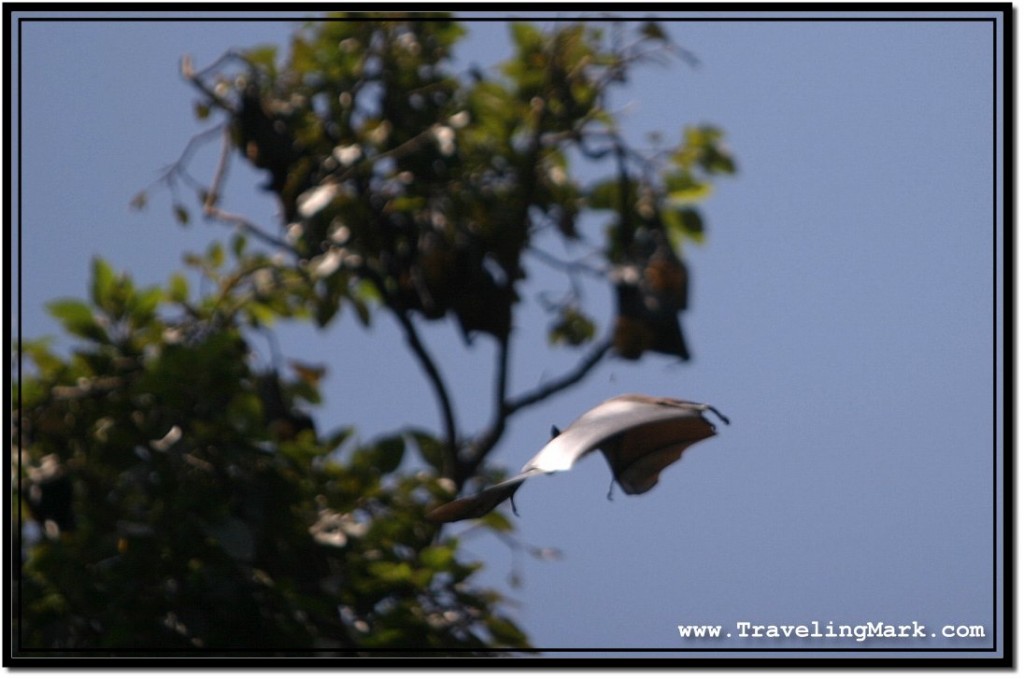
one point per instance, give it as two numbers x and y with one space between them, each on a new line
638 435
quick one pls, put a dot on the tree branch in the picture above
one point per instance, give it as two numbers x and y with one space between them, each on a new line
210 200
412 337
243 224
428 365
564 382
483 445
570 267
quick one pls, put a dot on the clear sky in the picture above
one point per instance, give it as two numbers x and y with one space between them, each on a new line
841 316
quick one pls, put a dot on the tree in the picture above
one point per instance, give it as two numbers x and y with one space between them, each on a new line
193 487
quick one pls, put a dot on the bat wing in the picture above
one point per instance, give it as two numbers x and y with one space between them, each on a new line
629 415
638 455
475 506
639 436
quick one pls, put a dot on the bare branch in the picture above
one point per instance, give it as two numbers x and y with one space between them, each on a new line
483 445
189 73
213 192
427 364
436 380
211 211
564 382
243 224
571 267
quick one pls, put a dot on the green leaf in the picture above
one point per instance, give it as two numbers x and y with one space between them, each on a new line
391 572
306 391
238 243
362 311
505 632
433 452
384 456
263 55
437 557
335 439
245 411
102 283
683 188
181 214
526 35
70 310
38 351
692 194
572 328
326 309
702 146
718 162
683 222
77 318
653 31
604 195
177 288
215 254
144 304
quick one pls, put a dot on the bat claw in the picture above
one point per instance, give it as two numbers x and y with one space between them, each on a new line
722 417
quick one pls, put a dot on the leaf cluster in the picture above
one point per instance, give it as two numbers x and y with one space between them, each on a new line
175 495
408 185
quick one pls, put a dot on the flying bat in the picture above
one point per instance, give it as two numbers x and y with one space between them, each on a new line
638 435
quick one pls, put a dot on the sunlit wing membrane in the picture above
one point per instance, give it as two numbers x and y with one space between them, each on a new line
639 436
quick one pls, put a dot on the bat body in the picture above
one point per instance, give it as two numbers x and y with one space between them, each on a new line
638 435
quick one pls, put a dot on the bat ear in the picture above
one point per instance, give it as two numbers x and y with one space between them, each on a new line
554 431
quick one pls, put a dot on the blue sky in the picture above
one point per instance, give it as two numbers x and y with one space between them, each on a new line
841 315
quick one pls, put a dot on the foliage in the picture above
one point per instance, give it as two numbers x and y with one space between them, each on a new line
185 499
189 485
406 186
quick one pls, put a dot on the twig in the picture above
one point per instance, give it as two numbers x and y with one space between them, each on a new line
213 192
243 224
564 382
486 442
504 406
211 210
196 77
177 166
427 363
437 382
569 267
479 449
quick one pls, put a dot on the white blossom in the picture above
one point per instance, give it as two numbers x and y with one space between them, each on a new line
346 155
557 175
380 134
327 263
459 120
328 529
316 199
339 233
164 444
445 137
